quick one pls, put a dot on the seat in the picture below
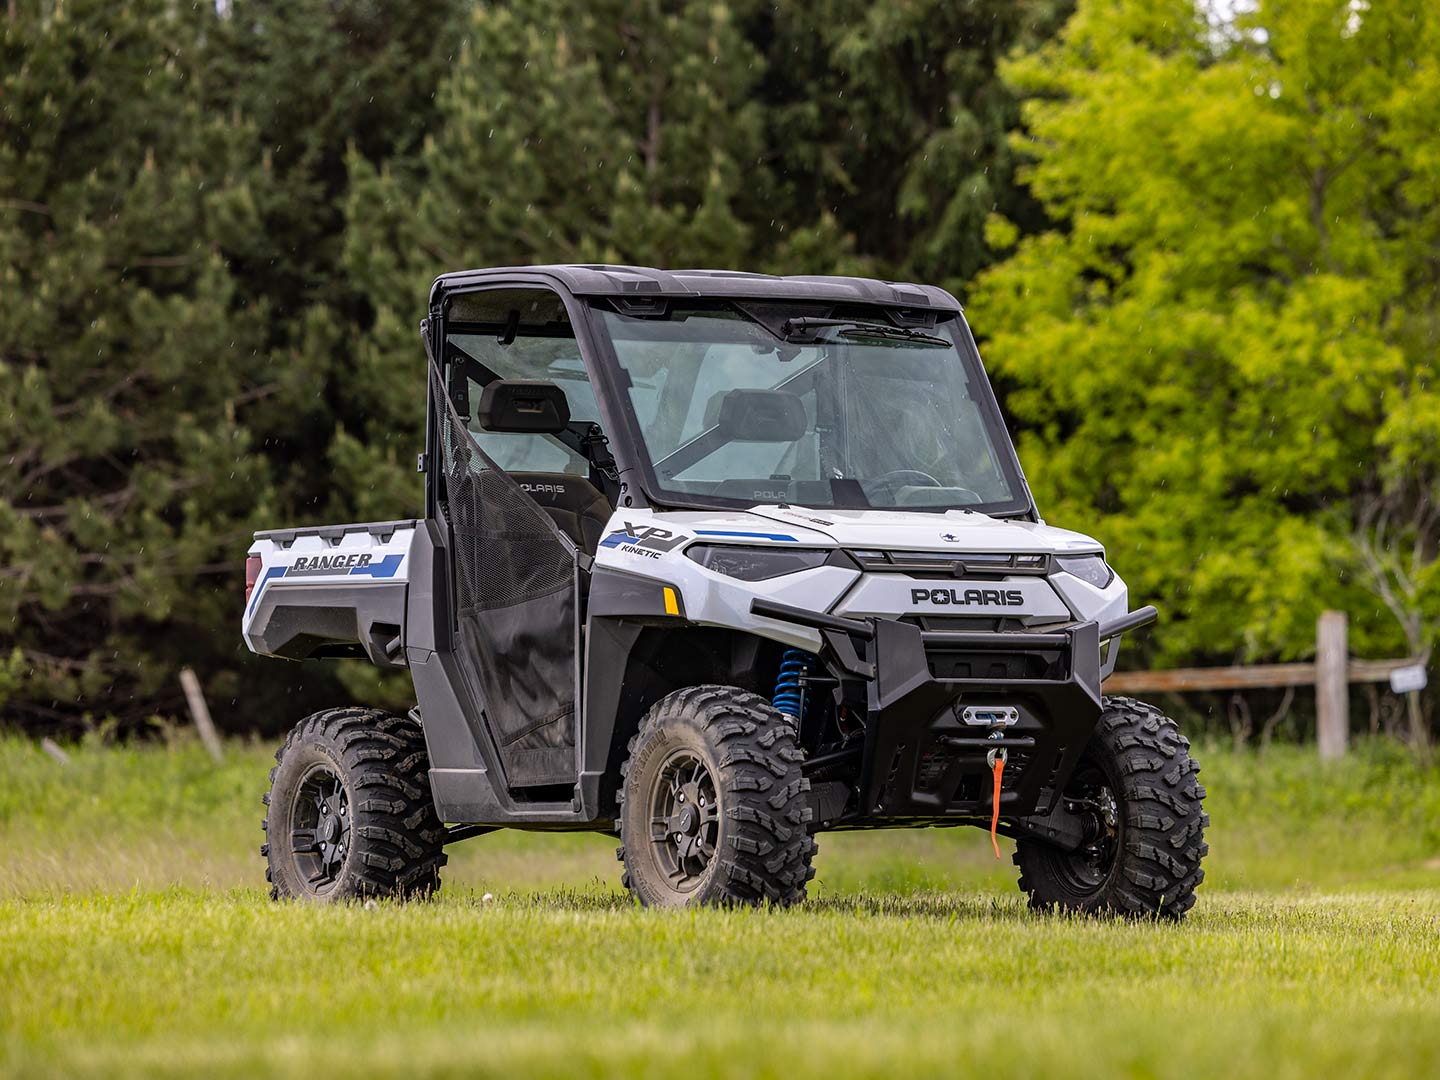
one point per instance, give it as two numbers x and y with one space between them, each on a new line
578 509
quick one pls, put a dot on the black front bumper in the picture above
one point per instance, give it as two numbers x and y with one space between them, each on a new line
923 761
920 761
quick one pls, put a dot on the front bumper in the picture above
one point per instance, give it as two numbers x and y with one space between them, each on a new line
921 761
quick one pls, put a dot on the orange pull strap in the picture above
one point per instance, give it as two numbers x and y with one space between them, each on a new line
997 762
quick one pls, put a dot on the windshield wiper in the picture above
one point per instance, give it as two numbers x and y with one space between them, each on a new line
858 328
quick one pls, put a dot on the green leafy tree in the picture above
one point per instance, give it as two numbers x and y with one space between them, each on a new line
1225 351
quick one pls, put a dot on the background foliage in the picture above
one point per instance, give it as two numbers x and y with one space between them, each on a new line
1204 253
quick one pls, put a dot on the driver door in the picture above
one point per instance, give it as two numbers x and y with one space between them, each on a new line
520 507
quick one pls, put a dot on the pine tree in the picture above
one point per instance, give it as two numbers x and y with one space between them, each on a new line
890 127
129 483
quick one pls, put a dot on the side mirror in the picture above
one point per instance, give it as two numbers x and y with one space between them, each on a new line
772 416
523 406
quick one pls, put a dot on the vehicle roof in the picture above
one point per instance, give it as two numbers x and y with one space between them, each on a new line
606 280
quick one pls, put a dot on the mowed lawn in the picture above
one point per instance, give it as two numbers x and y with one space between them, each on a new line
135 938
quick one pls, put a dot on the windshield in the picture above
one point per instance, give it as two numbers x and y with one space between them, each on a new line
735 411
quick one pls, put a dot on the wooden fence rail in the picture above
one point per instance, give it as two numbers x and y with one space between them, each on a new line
1258 676
1331 673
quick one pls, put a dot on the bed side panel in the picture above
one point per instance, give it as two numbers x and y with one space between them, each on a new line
331 591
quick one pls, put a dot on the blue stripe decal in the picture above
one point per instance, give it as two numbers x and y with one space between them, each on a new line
273 572
616 539
386 567
752 535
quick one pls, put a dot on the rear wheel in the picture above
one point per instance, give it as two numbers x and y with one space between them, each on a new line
1135 788
713 807
349 812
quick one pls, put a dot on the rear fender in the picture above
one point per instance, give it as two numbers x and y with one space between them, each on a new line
331 591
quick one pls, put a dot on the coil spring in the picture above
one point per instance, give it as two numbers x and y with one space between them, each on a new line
789 695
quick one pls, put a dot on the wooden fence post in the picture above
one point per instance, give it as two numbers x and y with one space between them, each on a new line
1332 684
200 713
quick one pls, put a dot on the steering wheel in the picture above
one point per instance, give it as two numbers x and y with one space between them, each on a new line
897 478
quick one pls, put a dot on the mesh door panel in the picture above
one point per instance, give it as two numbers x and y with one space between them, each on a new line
515 576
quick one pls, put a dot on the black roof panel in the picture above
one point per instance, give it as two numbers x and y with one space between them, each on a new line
604 280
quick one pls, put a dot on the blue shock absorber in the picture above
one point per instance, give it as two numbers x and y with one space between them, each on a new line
789 695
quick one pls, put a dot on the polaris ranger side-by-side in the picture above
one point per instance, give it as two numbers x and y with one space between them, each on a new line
714 562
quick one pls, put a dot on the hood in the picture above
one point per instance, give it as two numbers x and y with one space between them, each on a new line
954 530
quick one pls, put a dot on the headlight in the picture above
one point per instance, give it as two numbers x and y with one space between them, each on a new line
755 563
1090 569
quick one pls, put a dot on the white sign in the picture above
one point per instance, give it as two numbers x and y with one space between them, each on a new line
1406 680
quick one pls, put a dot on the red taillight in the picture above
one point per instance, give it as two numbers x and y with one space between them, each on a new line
252 574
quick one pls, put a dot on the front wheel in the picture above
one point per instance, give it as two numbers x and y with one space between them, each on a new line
1135 786
713 808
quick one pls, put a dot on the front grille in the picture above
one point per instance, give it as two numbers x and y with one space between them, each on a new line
987 566
996 666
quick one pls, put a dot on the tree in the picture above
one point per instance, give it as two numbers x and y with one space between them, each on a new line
889 126
129 481
314 81
1226 349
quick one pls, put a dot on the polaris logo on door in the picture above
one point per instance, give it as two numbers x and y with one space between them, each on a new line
968 597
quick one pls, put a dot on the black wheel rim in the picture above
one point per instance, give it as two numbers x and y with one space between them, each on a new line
684 820
1091 794
320 828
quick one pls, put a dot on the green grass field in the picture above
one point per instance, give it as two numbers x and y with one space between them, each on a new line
135 938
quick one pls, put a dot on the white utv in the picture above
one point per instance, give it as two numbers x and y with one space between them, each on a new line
714 562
